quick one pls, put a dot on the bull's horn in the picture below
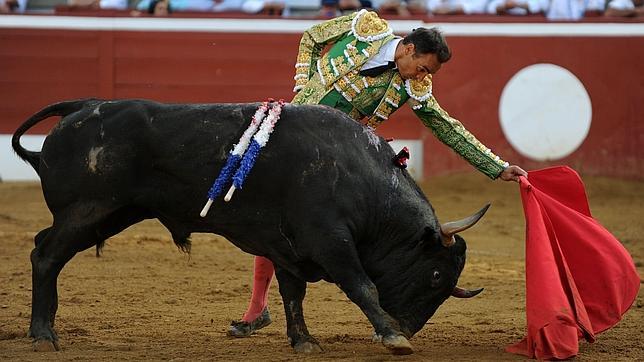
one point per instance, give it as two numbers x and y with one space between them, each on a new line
465 293
450 228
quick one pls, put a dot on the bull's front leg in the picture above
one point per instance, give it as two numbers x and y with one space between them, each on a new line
341 261
293 290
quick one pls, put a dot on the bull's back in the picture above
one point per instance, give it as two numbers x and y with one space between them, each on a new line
148 152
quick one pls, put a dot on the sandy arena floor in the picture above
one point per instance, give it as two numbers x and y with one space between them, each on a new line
144 299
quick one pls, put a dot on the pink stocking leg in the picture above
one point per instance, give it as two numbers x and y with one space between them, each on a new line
261 282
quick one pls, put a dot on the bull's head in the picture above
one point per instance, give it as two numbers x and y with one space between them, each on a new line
430 277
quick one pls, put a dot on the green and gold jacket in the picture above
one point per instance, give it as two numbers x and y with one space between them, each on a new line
333 79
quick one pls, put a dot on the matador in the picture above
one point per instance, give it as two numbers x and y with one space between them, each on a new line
369 73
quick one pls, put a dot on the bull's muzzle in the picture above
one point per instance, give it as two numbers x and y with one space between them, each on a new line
450 228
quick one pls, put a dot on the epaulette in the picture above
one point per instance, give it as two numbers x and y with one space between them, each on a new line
420 90
368 27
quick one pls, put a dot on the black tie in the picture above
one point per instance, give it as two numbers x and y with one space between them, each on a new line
376 71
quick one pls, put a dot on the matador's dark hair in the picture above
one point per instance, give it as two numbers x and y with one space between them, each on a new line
429 41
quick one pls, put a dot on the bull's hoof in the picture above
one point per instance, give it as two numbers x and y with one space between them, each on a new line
45 345
244 329
397 345
307 347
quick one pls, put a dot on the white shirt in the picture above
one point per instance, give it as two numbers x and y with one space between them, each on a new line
385 55
191 5
469 6
621 4
113 4
227 5
535 6
566 10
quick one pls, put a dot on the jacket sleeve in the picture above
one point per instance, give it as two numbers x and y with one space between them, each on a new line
452 133
313 42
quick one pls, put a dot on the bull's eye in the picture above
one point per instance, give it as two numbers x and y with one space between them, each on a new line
437 275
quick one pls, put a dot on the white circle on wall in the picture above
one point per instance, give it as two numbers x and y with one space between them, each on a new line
545 112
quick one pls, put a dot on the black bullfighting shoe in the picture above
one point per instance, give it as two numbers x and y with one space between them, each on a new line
245 329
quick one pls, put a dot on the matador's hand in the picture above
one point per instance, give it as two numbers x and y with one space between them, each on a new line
512 173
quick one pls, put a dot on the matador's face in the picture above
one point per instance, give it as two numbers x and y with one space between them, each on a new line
412 65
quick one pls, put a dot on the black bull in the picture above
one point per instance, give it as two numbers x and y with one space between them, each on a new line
324 201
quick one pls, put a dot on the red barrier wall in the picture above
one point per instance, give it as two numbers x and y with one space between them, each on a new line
42 66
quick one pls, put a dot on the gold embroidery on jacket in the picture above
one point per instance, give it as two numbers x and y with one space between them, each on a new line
368 25
341 65
389 103
420 90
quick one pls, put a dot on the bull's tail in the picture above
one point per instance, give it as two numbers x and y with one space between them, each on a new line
56 109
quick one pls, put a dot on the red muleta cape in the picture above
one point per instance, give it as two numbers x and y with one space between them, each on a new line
579 278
